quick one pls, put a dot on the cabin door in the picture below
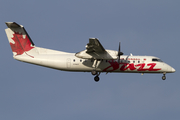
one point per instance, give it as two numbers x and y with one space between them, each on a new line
68 63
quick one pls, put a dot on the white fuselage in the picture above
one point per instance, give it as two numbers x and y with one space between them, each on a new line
69 62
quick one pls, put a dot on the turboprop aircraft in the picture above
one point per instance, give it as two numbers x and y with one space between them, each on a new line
94 58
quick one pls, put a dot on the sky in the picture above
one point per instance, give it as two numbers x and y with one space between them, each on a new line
30 92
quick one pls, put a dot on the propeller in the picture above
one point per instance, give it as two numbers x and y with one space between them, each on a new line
119 52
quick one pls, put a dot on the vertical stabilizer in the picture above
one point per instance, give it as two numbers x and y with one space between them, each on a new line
19 40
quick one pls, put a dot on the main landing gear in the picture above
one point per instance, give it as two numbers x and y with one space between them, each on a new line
164 76
96 78
95 65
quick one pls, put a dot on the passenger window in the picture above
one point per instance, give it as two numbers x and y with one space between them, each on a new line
74 60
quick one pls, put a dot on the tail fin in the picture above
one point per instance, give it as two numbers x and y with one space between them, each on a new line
19 40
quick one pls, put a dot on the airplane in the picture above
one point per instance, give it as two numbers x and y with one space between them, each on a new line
94 58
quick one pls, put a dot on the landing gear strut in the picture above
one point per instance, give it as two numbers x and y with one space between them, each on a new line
164 76
95 65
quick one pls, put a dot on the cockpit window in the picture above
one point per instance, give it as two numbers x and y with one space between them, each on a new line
157 60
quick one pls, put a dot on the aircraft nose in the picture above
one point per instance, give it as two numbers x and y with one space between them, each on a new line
173 70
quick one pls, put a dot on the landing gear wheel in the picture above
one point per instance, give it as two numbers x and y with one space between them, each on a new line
96 78
94 72
163 77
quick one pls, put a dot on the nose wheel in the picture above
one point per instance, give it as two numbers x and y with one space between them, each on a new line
164 76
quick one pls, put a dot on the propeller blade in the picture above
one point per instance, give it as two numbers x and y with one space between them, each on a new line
119 52
118 59
119 47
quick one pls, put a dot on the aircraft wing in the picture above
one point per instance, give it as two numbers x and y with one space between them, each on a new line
94 50
94 46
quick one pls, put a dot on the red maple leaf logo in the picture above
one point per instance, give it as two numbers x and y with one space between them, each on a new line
21 44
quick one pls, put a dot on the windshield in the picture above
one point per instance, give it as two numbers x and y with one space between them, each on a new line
157 60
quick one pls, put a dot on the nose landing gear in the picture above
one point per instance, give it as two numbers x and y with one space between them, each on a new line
164 76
